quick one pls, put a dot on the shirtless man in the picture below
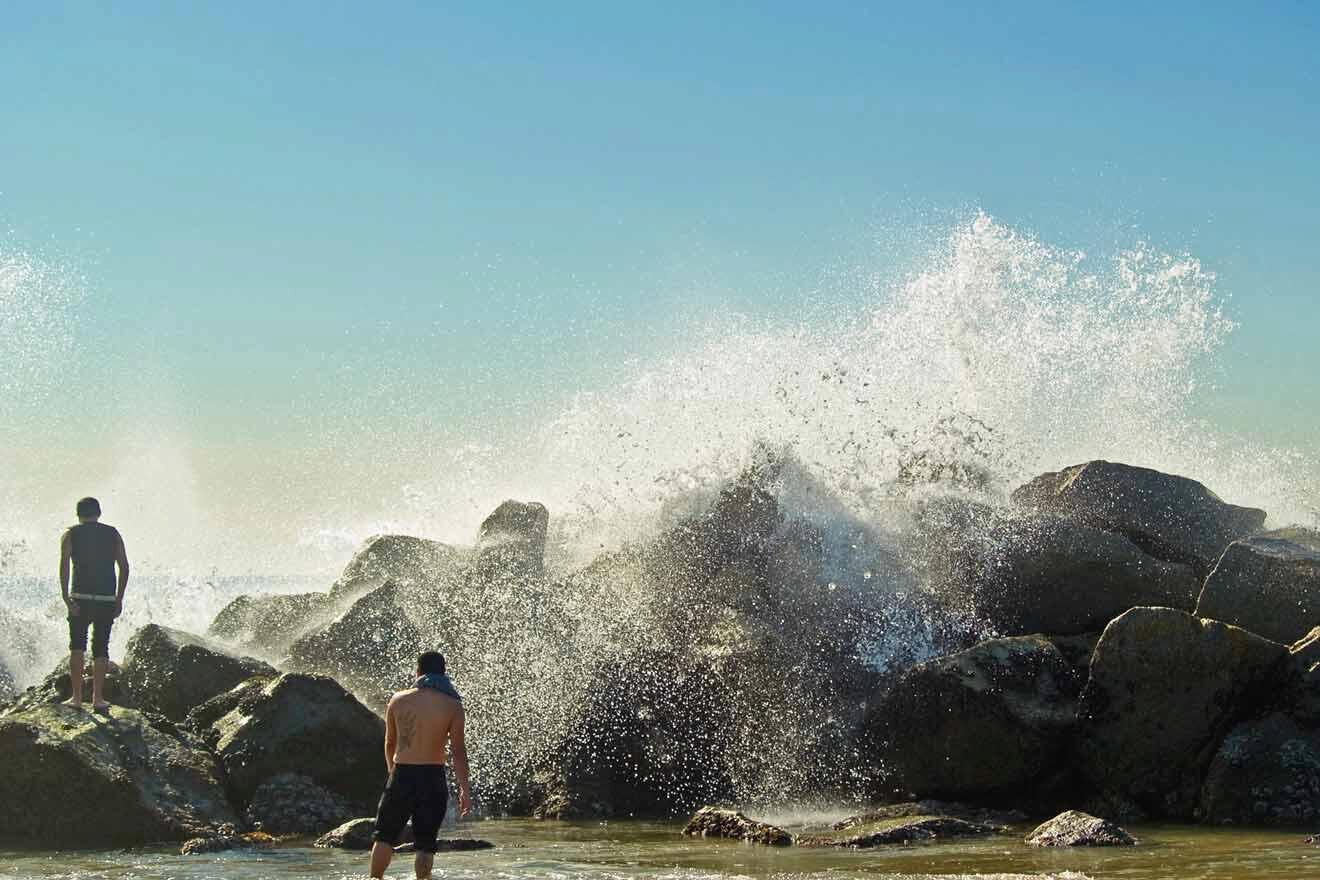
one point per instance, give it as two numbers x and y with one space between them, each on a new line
93 550
418 723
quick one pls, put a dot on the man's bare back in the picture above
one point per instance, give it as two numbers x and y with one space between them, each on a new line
424 720
423 733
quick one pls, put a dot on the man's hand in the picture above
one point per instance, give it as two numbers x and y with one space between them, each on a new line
464 801
119 607
74 610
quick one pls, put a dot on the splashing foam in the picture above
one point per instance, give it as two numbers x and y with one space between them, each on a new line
1005 358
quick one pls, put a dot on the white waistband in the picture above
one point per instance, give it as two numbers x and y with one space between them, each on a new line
93 597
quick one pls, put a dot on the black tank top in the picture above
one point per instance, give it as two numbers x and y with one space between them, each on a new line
93 555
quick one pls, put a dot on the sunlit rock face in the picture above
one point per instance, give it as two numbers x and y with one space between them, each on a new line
1164 689
1267 584
1170 517
132 780
303 725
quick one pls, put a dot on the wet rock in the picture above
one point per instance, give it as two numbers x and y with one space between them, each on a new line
55 688
1164 689
201 720
908 829
170 672
1266 772
631 753
1077 651
992 720
1170 517
407 561
129 781
306 725
356 834
1268 585
713 822
1075 828
294 804
1048 574
227 839
266 626
372 647
511 541
967 812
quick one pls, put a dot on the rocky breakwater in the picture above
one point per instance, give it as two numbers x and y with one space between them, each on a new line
173 761
746 650
1165 713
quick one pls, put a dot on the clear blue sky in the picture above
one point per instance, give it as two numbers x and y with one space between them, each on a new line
279 210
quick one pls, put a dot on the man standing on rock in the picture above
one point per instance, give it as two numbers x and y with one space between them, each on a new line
94 550
418 724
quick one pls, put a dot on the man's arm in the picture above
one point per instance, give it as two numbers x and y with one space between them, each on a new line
66 551
121 559
458 754
391 737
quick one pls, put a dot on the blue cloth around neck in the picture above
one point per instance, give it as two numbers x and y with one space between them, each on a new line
439 682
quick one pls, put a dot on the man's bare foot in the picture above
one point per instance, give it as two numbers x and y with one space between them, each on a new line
101 708
72 703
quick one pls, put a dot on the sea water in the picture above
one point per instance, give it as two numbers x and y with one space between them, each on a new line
658 851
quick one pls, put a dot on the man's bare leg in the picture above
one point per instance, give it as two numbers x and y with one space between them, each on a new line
381 853
75 679
422 863
99 665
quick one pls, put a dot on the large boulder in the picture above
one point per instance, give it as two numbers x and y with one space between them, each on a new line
1266 772
512 539
266 626
170 672
1269 585
1048 574
372 647
74 778
1170 517
990 721
405 560
1164 689
306 725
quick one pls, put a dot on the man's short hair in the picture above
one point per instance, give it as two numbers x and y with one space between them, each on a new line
431 663
89 507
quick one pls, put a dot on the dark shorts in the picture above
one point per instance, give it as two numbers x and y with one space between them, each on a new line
414 791
100 617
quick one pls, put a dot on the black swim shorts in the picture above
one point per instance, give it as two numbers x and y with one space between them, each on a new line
414 791
100 618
